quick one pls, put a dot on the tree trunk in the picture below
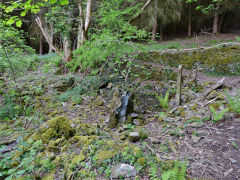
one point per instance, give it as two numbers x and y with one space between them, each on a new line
51 37
215 23
220 26
48 39
40 46
154 32
190 21
67 49
84 25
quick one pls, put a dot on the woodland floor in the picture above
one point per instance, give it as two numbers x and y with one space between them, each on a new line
212 150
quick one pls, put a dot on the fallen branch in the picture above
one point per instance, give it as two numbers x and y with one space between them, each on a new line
158 156
219 84
209 101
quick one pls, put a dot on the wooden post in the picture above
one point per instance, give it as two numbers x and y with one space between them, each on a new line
195 78
179 85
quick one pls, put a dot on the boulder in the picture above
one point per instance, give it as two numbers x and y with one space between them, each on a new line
133 136
123 171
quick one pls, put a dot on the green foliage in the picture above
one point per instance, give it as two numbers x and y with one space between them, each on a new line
25 7
9 109
217 116
177 173
24 162
234 102
163 100
237 38
89 86
110 43
13 51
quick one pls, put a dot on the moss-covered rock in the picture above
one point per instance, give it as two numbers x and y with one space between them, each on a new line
78 159
86 129
61 125
48 135
49 176
104 155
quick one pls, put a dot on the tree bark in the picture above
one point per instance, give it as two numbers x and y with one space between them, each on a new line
220 24
40 46
84 25
142 9
67 49
48 39
51 37
215 23
190 21
154 32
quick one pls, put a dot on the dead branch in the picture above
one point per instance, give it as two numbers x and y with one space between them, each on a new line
219 84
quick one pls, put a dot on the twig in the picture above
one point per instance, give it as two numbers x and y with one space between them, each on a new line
209 101
158 156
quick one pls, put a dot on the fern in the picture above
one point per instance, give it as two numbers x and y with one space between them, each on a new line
178 172
153 171
218 116
163 100
234 102
237 38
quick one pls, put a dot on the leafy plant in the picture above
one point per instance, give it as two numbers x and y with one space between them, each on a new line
237 38
234 102
163 100
153 171
25 162
178 172
217 116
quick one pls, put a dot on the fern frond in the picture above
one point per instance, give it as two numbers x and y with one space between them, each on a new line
163 100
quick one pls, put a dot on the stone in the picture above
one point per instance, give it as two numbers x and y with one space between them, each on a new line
134 115
138 122
233 160
123 171
155 140
50 155
195 139
197 124
120 107
226 173
64 83
133 136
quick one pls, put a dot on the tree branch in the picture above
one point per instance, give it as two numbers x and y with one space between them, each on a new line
47 37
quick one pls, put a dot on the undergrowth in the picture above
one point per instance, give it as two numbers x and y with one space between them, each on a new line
234 102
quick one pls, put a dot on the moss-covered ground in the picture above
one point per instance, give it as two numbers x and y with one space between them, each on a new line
54 126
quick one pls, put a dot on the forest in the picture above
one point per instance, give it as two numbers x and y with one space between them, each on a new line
119 89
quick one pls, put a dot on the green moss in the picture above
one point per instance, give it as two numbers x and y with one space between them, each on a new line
61 125
49 176
141 161
86 129
98 102
104 155
223 60
78 158
137 152
48 135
